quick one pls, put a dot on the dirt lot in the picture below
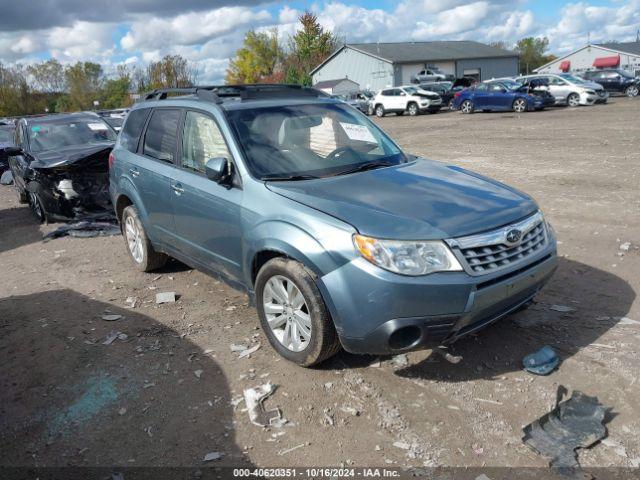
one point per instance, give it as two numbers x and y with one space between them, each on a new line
167 394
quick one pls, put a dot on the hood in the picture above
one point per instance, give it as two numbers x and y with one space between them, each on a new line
425 94
592 85
421 199
70 155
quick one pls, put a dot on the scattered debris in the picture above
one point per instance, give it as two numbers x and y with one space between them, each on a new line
400 360
402 445
562 308
625 246
122 411
573 423
165 297
541 362
6 178
211 456
455 359
131 301
617 448
484 400
84 229
248 351
231 308
289 450
112 336
628 321
375 364
350 410
237 348
111 318
198 373
254 398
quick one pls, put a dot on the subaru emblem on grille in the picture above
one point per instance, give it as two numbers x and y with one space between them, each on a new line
513 236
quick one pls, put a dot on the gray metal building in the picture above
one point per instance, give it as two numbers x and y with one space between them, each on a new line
379 65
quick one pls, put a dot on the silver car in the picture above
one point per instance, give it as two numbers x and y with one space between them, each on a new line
570 90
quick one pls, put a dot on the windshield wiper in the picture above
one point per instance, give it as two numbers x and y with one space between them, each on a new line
289 178
365 166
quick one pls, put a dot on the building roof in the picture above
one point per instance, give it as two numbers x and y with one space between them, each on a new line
403 52
332 83
626 47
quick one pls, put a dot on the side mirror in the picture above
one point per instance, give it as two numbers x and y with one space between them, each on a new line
402 94
216 169
11 151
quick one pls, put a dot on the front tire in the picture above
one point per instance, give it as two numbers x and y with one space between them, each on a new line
467 107
293 314
519 105
412 109
379 111
144 256
37 207
632 91
573 100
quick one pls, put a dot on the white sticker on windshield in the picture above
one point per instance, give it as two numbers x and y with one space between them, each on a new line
358 132
97 126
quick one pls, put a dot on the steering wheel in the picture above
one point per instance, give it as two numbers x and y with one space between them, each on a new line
338 151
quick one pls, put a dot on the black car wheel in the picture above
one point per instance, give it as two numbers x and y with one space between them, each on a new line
37 207
519 105
467 107
293 314
632 91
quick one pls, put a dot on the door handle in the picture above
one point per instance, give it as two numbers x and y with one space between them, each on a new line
134 173
178 190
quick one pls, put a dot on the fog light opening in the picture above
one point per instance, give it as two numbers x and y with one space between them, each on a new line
405 337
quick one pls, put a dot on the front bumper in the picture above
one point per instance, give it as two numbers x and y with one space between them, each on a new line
378 312
602 96
588 99
432 107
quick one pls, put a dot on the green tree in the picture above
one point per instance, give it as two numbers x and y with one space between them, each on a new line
258 60
310 46
48 77
115 92
84 82
531 52
172 71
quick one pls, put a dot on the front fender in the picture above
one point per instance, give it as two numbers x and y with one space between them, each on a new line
290 240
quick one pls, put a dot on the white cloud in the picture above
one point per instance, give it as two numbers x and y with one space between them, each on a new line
190 28
516 25
81 41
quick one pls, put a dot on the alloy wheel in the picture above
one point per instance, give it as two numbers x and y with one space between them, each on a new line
379 111
520 105
134 239
632 91
466 107
287 313
573 100
413 110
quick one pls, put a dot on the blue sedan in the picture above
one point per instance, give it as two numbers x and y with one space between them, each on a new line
502 95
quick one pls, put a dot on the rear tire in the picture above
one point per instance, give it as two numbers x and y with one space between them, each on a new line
379 111
467 107
632 91
144 256
285 289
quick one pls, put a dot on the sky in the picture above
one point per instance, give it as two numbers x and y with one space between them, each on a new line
208 32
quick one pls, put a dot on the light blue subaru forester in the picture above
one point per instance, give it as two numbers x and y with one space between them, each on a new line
340 238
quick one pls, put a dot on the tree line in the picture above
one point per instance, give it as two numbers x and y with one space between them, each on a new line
50 86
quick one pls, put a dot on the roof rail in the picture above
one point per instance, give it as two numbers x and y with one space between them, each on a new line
203 93
215 93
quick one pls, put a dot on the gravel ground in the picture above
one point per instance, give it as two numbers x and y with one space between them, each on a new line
170 392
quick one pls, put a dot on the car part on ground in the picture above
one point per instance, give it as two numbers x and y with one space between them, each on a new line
314 200
6 178
572 424
542 362
85 229
60 165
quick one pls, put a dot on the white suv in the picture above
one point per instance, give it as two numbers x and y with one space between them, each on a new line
410 99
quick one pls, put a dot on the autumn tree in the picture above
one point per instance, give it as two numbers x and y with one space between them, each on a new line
172 71
532 53
258 60
48 76
84 81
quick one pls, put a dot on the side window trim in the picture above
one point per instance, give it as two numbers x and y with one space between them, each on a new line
143 130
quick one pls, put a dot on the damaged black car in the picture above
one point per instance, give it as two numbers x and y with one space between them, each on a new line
6 140
60 165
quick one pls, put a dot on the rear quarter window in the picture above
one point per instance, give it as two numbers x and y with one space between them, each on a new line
130 134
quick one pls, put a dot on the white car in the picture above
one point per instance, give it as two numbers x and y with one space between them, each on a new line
429 75
569 90
408 98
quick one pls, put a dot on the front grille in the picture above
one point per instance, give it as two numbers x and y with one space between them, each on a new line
601 93
487 253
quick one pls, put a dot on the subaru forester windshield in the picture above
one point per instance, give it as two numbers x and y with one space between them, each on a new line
297 142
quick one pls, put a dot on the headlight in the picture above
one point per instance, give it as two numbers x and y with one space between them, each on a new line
424 103
589 92
407 257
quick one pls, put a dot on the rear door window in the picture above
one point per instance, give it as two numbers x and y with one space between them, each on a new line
161 135
201 141
130 135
